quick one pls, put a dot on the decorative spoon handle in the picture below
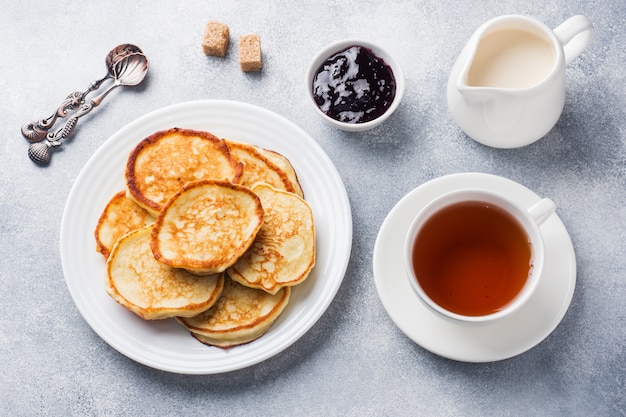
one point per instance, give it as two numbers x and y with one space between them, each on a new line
39 152
69 126
36 131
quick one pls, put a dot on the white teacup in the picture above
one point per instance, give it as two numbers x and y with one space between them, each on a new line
474 256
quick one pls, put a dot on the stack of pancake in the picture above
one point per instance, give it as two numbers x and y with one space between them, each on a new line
209 231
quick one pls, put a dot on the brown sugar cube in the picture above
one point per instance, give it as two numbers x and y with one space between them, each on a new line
215 40
250 53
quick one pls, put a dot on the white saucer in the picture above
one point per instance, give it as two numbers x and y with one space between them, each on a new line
501 340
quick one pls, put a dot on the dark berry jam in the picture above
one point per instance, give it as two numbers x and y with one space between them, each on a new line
354 86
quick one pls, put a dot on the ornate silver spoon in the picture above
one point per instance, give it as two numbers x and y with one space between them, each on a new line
36 131
130 70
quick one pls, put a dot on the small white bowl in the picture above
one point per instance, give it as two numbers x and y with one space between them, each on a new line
331 50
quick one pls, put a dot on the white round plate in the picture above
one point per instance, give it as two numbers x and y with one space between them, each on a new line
486 343
165 344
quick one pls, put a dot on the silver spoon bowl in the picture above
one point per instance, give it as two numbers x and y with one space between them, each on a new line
127 71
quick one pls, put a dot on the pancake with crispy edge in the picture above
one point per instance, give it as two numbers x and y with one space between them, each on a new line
283 163
164 161
151 289
258 168
206 226
283 253
241 315
121 215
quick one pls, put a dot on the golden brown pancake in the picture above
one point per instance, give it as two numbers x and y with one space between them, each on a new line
283 163
207 226
258 168
283 252
241 315
151 289
164 161
120 216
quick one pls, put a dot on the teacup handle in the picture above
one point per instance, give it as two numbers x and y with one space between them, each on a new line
575 34
541 210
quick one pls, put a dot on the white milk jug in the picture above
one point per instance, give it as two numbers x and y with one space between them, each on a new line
507 88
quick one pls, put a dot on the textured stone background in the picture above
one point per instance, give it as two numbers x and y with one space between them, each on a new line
354 361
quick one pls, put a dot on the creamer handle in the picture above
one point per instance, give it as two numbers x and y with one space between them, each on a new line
575 34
